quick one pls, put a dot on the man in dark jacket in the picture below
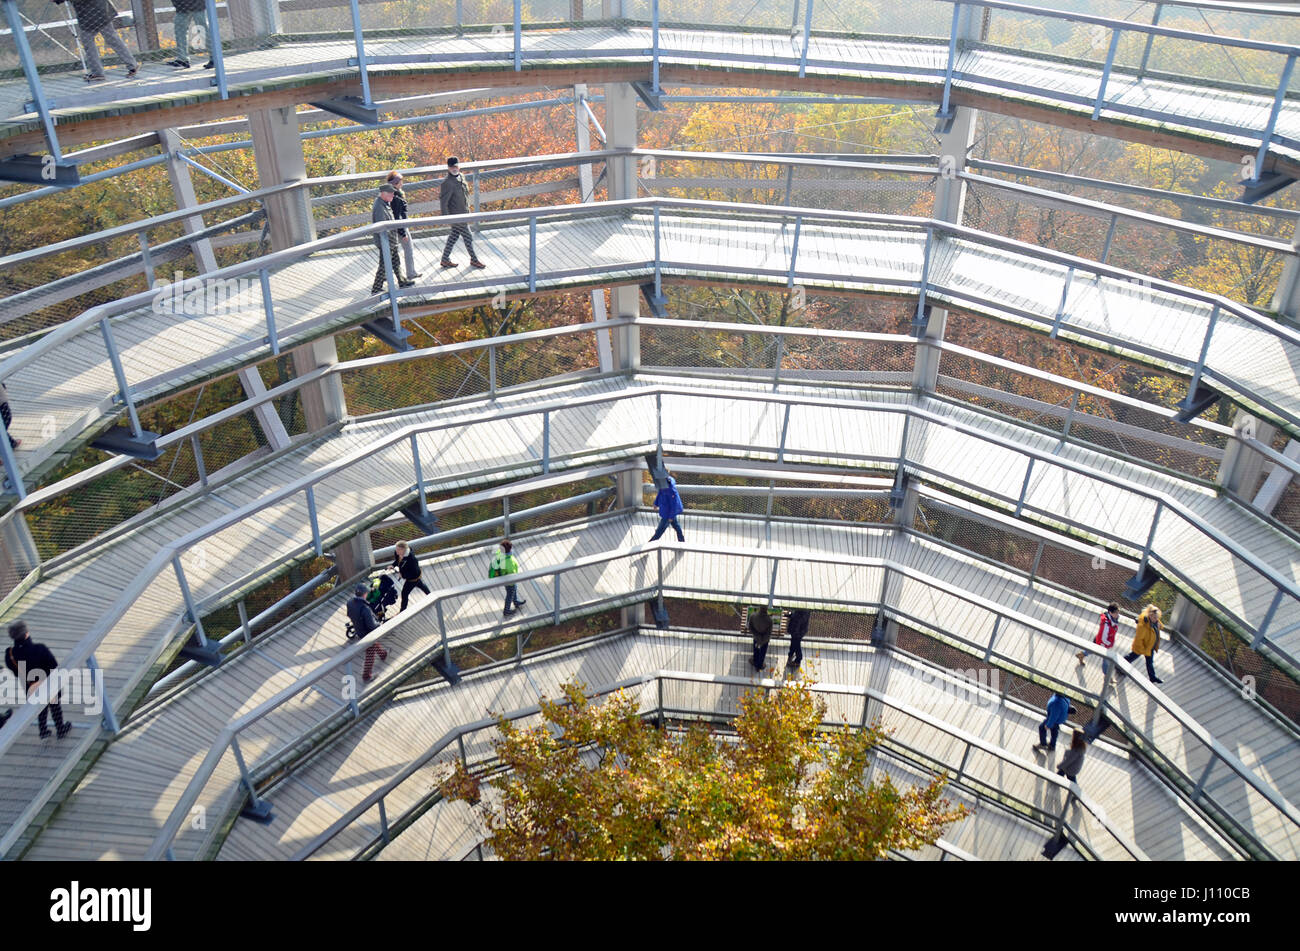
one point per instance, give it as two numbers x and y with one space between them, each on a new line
797 627
190 12
364 622
33 663
669 504
400 213
382 211
95 18
760 629
405 562
453 199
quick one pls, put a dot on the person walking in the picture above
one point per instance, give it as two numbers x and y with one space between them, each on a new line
408 566
453 199
1147 640
364 622
760 629
7 415
1072 761
1058 711
96 18
504 563
34 664
797 627
1105 634
189 12
669 504
383 211
400 213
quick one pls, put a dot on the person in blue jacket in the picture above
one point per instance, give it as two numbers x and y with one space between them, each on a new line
669 504
1058 710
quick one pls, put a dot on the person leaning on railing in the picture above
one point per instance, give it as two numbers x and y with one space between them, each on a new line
96 18
190 12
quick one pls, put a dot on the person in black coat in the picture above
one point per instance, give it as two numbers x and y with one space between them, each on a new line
364 622
95 18
190 12
400 213
760 629
27 658
797 627
405 562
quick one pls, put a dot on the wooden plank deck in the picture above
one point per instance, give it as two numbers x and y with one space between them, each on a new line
364 758
915 70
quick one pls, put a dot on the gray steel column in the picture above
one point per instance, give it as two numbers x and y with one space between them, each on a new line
586 193
621 183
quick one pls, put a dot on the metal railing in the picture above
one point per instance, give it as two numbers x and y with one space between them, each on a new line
1068 792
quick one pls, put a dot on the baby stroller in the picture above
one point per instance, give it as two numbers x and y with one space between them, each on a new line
383 593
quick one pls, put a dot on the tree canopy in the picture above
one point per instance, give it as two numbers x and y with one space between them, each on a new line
595 780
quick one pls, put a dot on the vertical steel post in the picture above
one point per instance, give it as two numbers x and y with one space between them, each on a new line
807 29
658 266
945 107
1060 307
109 716
1268 619
1110 237
1151 38
1200 360
442 629
555 604
794 251
919 321
315 522
1205 776
654 60
11 468
518 36
243 621
492 371
198 461
218 55
244 776
532 254
546 441
1069 416
359 39
110 344
419 474
460 15
1267 138
659 431
33 77
272 337
190 606
146 259
383 813
1105 73
1024 489
1151 537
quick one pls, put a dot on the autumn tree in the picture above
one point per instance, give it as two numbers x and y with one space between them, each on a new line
597 781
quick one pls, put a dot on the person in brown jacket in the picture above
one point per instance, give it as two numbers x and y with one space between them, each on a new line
1146 640
1072 761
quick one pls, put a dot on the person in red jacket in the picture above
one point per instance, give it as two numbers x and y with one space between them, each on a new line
1105 634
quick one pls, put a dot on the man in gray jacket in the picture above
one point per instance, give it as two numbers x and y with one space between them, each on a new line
453 199
96 18
383 211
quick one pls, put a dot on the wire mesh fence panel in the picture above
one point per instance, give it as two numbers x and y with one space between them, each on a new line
381 389
532 361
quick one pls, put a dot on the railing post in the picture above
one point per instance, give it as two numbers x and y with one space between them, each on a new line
272 337
110 344
442 628
460 15
492 371
315 522
919 321
1105 73
33 77
1200 360
532 254
1060 307
243 622
794 251
785 428
190 606
807 29
387 254
1151 38
988 651
419 474
146 258
1205 776
218 56
1267 138
1024 489
109 717
776 382
1110 237
1069 416
360 40
659 431
518 36
198 461
11 464
658 265
654 58
546 441
253 801
945 107
383 813
1151 537
555 604
1262 631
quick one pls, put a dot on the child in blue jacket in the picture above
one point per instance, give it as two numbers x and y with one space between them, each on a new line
669 504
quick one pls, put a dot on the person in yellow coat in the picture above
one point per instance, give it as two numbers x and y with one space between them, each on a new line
1147 640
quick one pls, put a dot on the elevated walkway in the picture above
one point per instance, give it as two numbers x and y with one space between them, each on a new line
145 771
1184 113
378 747
65 386
363 473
